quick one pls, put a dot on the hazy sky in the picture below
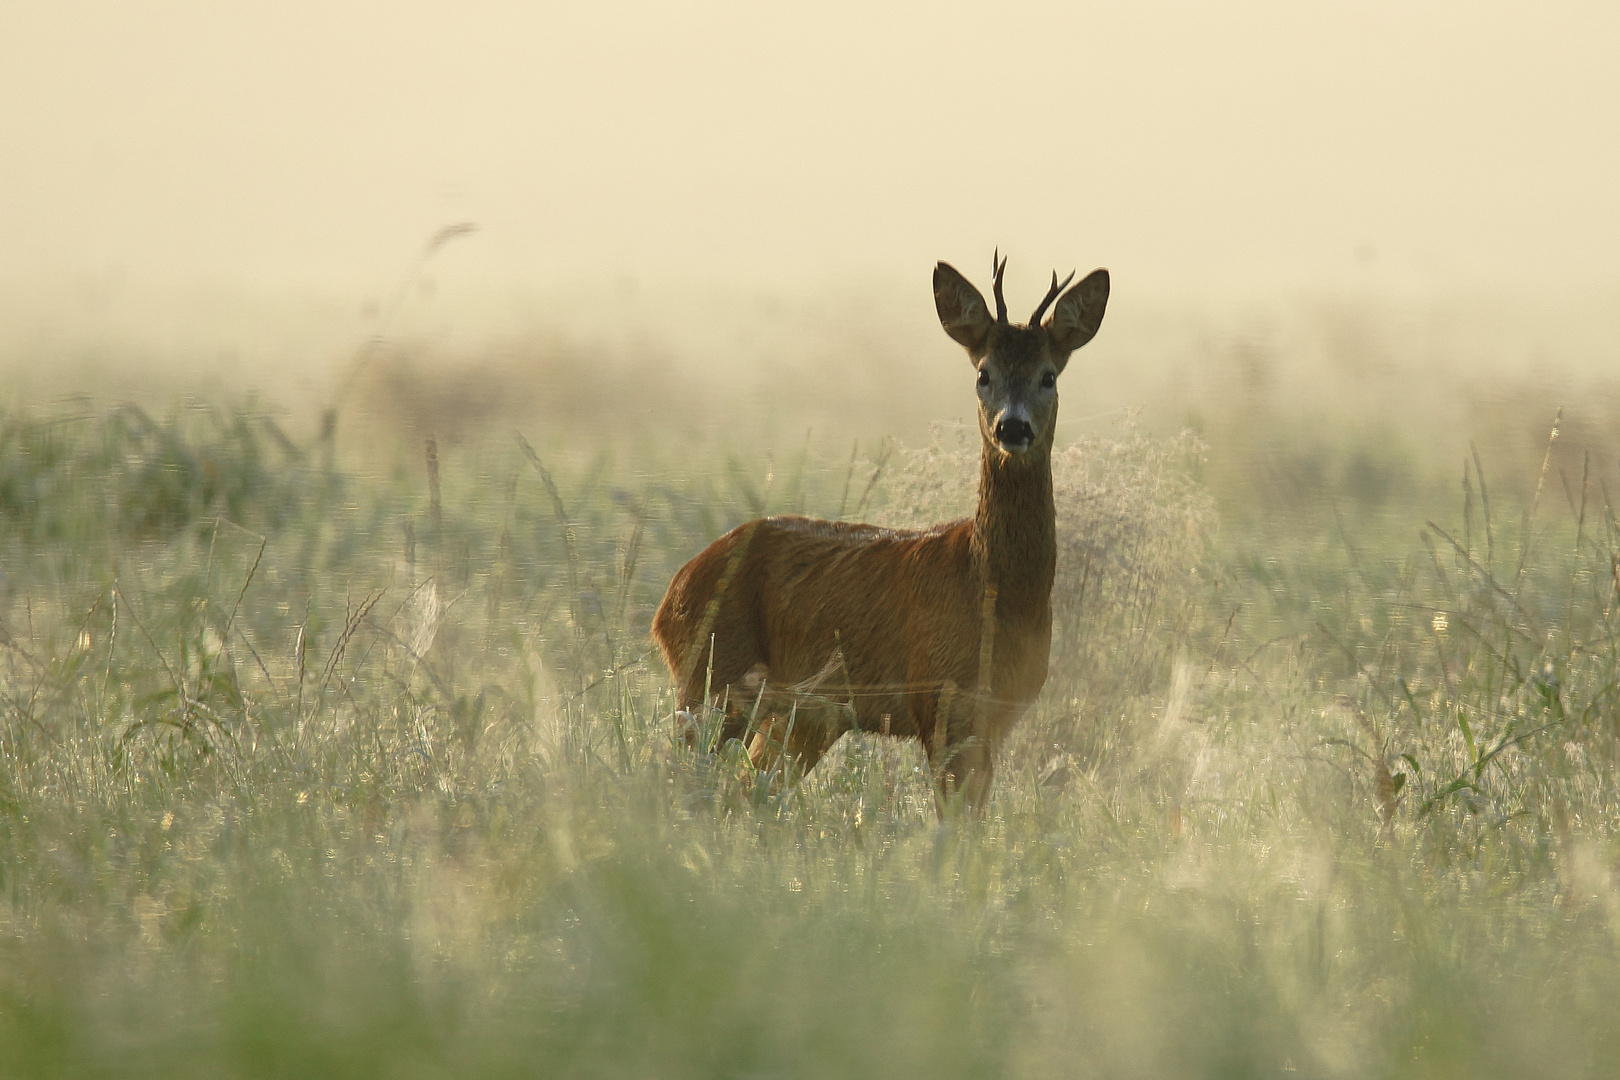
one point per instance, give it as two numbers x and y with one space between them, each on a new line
1188 146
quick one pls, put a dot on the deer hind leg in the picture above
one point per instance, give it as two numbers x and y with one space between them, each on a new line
721 668
736 700
706 625
801 721
750 712
740 703
732 685
804 729
788 745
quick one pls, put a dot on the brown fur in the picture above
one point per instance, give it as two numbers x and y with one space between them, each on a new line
806 629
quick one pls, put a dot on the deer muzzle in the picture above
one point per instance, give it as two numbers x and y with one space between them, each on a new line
1013 433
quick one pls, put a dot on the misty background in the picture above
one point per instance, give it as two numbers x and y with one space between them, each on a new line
715 216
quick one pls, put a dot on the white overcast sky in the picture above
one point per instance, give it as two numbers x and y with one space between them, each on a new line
1188 146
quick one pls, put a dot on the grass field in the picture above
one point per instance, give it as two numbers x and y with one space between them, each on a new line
313 767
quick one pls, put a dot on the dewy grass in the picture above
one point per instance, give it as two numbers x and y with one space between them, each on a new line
299 781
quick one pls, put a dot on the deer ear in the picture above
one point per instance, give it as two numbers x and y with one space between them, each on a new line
961 308
1078 313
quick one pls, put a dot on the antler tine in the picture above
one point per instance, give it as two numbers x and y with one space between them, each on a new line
1051 295
998 267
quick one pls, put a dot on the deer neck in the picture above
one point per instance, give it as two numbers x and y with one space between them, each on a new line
1015 528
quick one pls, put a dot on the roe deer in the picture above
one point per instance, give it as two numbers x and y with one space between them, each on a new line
805 629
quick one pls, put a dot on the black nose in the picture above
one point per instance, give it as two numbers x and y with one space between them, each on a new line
1012 431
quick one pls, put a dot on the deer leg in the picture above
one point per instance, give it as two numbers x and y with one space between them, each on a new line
802 726
961 759
817 724
737 696
766 747
977 768
965 773
802 720
732 661
747 704
934 728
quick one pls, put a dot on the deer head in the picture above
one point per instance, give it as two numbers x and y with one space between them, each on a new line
1017 366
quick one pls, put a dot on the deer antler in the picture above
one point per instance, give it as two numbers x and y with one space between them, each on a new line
998 267
1051 295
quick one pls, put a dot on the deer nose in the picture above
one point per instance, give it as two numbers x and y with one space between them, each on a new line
1014 431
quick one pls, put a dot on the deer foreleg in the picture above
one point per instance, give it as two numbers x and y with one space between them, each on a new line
976 767
960 755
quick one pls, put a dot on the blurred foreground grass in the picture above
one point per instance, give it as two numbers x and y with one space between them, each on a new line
310 772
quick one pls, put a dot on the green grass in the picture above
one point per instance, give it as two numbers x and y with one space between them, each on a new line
310 771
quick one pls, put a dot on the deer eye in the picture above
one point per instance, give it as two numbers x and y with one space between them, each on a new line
984 378
1049 380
